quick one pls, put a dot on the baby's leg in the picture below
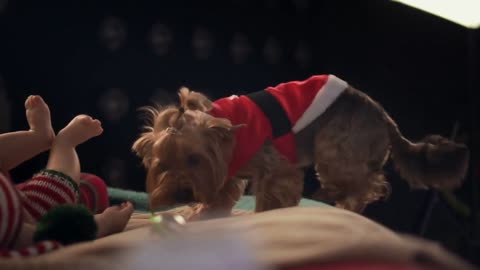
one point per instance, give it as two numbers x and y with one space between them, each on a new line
63 157
20 146
58 184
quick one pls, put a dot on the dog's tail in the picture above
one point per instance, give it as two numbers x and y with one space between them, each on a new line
435 161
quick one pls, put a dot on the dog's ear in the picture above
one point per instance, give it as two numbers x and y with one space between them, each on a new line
222 128
142 147
190 100
222 132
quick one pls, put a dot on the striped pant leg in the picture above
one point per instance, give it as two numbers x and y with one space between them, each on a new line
36 249
11 212
46 190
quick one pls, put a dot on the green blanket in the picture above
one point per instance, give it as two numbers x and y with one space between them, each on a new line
140 199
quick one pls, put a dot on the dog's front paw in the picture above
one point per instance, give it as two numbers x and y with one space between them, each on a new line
193 212
200 212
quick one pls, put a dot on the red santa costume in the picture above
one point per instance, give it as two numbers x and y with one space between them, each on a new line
276 114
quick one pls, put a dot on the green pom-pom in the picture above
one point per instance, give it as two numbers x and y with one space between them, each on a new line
67 224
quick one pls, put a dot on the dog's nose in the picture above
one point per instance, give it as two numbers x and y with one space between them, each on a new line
184 196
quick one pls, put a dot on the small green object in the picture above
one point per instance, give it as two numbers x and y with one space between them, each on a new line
158 224
166 224
67 224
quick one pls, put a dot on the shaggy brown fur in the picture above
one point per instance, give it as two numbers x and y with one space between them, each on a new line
186 152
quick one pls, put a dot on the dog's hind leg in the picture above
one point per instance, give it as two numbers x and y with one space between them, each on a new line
349 168
349 159
350 186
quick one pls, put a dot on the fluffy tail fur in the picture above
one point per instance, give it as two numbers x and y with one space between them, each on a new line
435 161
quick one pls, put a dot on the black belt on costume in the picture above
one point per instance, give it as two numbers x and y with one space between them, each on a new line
274 111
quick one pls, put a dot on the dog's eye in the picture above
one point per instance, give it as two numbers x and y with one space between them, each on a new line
161 166
193 160
191 105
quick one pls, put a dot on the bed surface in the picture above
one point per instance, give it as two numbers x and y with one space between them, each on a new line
312 236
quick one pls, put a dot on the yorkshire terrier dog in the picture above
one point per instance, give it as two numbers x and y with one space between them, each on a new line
203 151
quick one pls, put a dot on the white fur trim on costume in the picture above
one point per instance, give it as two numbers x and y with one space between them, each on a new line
323 99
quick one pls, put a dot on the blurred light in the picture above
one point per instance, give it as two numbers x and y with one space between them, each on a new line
301 6
240 4
113 33
462 12
3 5
5 108
179 219
303 55
115 172
202 43
114 104
162 97
161 39
240 48
272 5
272 51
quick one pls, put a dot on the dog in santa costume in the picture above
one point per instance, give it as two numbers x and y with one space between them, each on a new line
202 150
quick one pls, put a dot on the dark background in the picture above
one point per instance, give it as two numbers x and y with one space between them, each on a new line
107 58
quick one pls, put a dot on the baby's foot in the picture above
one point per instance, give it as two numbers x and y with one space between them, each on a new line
79 130
38 116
